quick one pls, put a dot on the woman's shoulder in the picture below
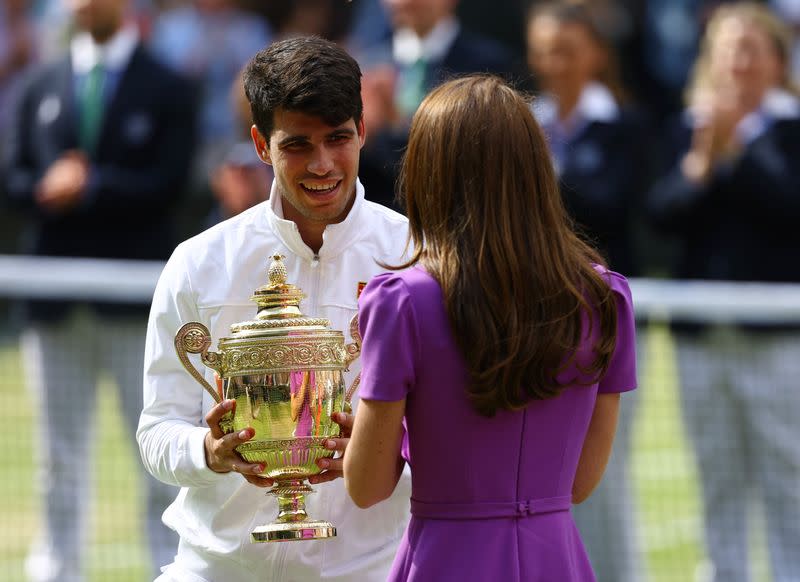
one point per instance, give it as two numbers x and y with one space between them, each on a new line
616 281
413 284
413 278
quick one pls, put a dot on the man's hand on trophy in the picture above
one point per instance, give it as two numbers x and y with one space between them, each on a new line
333 467
221 456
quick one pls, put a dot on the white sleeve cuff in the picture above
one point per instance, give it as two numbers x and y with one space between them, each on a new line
202 475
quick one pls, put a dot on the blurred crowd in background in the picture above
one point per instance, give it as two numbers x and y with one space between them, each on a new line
673 126
653 44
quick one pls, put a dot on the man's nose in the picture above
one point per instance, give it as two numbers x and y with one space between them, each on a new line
321 162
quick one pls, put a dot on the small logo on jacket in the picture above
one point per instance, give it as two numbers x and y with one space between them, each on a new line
360 288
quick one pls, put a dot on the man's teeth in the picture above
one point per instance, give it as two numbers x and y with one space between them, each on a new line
320 187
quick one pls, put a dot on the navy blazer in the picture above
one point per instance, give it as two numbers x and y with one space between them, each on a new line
742 224
469 53
137 173
472 53
605 174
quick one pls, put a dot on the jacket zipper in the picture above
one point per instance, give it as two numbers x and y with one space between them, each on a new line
313 310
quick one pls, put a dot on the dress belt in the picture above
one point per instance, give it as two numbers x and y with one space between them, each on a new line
486 510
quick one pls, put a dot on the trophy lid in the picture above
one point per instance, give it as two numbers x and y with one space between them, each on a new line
280 339
278 308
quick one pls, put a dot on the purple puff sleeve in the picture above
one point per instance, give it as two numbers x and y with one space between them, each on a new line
621 373
389 339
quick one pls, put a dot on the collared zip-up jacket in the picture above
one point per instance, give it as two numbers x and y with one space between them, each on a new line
209 279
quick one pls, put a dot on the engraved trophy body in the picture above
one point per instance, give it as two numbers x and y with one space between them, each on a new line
286 373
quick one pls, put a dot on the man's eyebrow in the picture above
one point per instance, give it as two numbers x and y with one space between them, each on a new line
343 131
292 139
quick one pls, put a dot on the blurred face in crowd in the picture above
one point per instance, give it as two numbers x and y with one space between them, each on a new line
100 18
419 15
315 165
744 61
563 56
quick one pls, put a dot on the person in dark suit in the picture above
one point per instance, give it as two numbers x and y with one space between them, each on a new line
97 155
428 46
731 197
595 135
596 142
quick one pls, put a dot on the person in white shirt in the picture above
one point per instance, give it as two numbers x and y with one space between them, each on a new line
307 110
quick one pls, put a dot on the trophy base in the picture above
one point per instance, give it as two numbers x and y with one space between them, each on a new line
293 531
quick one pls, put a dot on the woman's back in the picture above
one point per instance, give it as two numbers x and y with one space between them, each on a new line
491 496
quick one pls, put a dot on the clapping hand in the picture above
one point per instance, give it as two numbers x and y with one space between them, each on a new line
714 138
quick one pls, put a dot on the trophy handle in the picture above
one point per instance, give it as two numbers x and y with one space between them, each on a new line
353 351
194 338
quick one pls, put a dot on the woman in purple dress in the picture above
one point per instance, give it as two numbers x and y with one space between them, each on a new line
501 351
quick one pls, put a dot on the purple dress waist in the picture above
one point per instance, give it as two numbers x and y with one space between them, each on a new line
488 510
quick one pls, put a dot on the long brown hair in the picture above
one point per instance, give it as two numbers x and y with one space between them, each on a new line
487 221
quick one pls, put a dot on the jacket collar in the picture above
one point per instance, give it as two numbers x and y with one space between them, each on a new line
336 237
85 53
407 47
595 104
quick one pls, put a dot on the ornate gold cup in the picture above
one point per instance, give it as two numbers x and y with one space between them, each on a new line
286 373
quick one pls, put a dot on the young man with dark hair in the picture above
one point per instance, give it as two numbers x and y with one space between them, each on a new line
305 96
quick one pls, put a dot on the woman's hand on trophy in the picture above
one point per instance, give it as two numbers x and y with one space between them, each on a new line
333 468
220 448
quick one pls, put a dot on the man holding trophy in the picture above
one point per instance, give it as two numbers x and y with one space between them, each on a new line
305 96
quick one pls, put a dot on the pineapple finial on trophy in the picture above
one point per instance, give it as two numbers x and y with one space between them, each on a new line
278 299
277 271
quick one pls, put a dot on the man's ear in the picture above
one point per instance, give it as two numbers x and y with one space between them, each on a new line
362 132
261 145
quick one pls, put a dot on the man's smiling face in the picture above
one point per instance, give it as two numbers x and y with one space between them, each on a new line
315 166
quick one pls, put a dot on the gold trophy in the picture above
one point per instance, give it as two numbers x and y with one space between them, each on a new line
286 373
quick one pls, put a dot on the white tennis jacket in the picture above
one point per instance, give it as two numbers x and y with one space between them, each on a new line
209 279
